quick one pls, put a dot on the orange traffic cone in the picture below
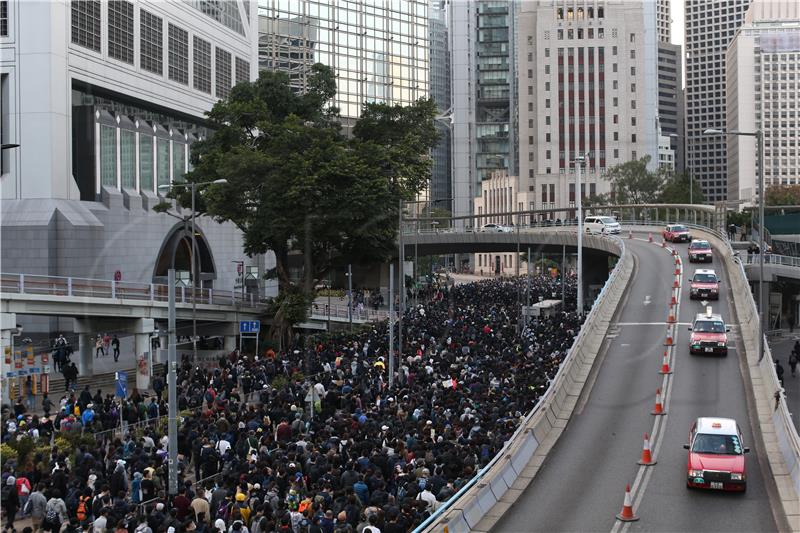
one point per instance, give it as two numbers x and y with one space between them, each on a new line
674 300
668 342
665 365
650 237
677 283
658 409
627 508
647 457
671 317
677 271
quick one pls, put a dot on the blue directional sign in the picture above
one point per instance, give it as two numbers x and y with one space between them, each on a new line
249 326
122 384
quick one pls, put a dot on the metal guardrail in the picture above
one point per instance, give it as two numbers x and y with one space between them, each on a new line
116 290
543 400
320 312
773 259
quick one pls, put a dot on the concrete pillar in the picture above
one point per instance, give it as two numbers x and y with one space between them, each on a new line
85 354
8 324
229 343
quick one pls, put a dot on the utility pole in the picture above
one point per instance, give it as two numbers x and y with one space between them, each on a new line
172 386
578 164
528 295
350 295
194 280
402 284
563 275
761 243
391 325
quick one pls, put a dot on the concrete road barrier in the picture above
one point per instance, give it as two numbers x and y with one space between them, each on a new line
482 502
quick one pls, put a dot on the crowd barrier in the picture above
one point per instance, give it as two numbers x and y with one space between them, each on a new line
510 470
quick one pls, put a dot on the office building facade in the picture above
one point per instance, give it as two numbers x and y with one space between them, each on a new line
670 100
588 86
441 190
710 27
105 100
379 51
484 107
763 88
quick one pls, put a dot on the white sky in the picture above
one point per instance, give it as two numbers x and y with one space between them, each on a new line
676 13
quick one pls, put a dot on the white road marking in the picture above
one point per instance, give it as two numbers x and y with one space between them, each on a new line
624 345
646 300
658 431
662 324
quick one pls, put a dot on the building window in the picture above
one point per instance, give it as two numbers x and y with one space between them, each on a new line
151 55
108 156
3 18
242 70
633 137
223 73
202 65
178 47
547 154
633 40
145 163
163 162
127 159
613 50
178 161
120 30
86 30
552 193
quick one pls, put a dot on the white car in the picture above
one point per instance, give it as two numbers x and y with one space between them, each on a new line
601 224
495 228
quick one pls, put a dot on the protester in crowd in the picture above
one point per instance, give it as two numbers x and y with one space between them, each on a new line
357 456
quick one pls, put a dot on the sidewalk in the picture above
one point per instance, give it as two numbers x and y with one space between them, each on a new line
781 348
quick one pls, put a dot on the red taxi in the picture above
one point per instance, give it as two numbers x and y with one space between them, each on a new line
708 334
676 233
704 285
699 251
716 455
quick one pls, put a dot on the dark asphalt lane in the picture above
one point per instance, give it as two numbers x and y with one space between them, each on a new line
704 386
581 484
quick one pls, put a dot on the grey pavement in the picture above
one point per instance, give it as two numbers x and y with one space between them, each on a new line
581 484
781 347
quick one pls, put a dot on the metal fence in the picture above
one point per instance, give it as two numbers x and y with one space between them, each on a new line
118 290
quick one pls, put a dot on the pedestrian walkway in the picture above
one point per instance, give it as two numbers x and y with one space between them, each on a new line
781 349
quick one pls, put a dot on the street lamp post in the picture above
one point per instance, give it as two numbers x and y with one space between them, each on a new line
759 135
193 187
579 160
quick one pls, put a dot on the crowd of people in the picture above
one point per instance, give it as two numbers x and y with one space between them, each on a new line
310 439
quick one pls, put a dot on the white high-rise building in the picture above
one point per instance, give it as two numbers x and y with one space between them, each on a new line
105 99
710 26
763 88
588 85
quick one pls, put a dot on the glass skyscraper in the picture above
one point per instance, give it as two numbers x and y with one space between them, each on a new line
378 49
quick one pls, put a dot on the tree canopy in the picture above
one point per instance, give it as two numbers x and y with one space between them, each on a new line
675 189
782 195
633 183
298 183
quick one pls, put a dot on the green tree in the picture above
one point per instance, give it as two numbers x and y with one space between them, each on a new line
298 185
782 195
633 183
676 189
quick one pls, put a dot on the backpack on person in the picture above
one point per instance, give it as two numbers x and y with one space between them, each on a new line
51 515
81 513
5 493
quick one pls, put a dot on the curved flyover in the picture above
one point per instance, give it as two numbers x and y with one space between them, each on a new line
577 484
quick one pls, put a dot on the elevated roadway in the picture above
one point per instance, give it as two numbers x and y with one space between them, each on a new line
580 484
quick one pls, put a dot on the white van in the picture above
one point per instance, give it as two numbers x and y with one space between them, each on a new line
601 224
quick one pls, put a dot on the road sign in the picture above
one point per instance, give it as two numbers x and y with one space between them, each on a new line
249 326
122 384
46 369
